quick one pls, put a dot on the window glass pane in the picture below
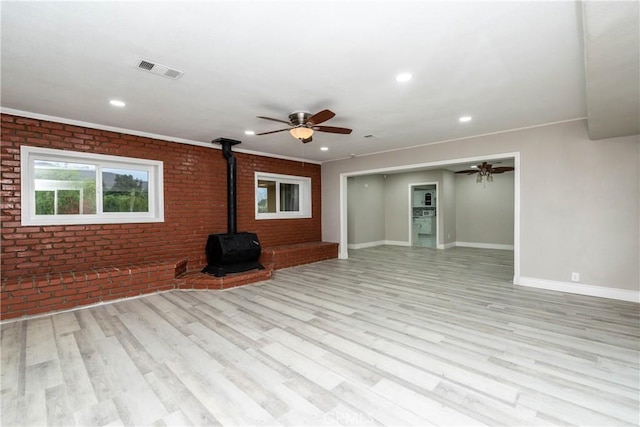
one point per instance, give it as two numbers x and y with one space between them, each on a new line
68 202
266 196
125 190
289 197
64 188
282 196
45 202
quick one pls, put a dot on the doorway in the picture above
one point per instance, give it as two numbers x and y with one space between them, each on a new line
423 214
515 156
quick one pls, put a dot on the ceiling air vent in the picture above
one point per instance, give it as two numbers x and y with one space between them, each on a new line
159 69
174 74
145 65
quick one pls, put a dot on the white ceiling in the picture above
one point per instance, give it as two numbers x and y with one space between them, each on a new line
507 64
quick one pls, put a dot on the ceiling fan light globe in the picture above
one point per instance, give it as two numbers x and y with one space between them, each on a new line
301 132
479 178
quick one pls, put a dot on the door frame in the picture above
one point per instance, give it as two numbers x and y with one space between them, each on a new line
411 188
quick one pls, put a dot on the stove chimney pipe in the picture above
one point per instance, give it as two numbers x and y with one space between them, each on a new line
231 181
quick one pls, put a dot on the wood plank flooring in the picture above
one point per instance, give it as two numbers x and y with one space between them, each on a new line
392 336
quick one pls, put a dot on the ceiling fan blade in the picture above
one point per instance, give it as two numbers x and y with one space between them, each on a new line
469 171
320 117
304 141
332 129
273 131
502 169
275 120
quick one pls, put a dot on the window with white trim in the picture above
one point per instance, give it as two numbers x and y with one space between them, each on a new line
68 187
282 196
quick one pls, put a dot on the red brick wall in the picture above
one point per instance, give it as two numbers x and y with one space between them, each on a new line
194 203
278 257
28 295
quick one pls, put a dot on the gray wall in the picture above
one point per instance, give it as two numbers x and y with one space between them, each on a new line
484 212
468 212
397 202
366 209
448 207
579 199
378 207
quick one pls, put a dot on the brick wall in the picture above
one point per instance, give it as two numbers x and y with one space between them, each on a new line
29 295
278 257
194 203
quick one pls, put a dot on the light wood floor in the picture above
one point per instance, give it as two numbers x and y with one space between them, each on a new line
392 336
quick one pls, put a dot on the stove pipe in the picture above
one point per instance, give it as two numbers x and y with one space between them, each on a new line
232 252
231 181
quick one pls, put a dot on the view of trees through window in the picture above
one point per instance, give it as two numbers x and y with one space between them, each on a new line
45 201
63 188
122 192
61 202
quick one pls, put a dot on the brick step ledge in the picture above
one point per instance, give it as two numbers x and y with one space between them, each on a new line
199 280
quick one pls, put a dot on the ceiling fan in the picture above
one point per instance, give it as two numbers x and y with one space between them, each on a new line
302 124
486 171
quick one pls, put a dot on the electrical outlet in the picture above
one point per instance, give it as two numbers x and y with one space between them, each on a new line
575 277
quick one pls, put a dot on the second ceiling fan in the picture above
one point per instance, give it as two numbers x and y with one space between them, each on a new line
486 171
302 124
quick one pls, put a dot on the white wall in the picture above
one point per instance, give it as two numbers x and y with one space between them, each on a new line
484 212
579 204
366 209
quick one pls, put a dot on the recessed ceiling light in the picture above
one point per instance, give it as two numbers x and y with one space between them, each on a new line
117 103
465 119
404 77
324 148
249 132
474 166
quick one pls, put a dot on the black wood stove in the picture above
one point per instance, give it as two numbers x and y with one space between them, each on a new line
232 252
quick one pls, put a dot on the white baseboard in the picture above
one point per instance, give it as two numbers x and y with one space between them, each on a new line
378 243
447 245
365 245
397 243
440 246
579 288
485 245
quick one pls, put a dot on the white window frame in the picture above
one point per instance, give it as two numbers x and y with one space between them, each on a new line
304 184
154 168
